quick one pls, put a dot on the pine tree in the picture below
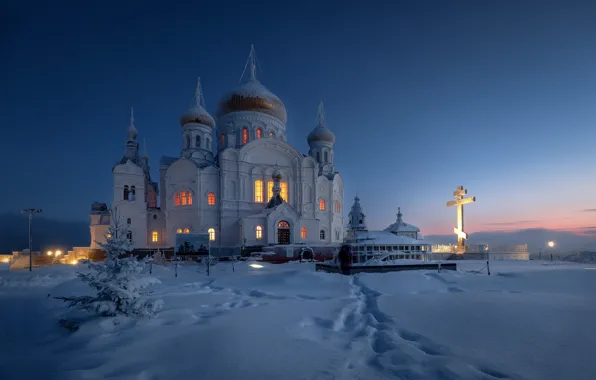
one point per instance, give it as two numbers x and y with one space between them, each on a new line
117 281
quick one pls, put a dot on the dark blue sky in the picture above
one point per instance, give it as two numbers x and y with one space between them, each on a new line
498 96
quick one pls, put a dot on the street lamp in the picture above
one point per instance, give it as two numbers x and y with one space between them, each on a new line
551 244
50 253
30 212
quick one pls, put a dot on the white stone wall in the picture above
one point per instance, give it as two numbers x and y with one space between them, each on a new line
135 208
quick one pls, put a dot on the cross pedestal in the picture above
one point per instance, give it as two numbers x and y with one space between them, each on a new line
460 201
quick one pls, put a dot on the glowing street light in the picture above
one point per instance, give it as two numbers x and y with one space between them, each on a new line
551 244
50 253
58 253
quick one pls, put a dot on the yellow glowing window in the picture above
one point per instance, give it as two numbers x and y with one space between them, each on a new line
321 204
186 231
303 232
177 199
211 198
189 197
183 197
258 191
154 237
211 232
244 135
109 236
284 191
259 133
269 190
283 224
270 134
337 206
179 231
259 232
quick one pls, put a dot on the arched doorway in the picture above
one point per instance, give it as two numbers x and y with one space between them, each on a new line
283 232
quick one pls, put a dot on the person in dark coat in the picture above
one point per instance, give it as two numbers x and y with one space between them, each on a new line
345 259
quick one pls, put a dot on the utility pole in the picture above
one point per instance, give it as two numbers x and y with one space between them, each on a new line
30 212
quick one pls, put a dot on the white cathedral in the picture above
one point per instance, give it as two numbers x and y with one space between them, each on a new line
255 190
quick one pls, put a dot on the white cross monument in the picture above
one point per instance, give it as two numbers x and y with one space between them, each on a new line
460 201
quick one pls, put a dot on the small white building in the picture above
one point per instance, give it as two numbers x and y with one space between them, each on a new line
399 241
236 179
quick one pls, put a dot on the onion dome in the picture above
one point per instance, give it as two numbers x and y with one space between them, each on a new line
197 113
321 132
251 95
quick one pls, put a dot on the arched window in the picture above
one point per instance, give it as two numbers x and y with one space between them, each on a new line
271 134
284 190
303 232
186 231
211 199
258 190
125 193
269 190
321 204
326 156
244 135
211 232
129 221
283 224
337 206
322 235
183 198
129 236
198 141
154 236
179 230
259 133
133 193
259 232
222 140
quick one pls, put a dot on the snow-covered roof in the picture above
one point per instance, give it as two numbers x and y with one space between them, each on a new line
384 237
402 227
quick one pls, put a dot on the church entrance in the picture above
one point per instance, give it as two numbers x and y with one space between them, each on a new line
283 232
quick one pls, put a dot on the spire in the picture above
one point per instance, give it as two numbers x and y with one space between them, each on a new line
132 130
357 217
198 93
321 115
251 64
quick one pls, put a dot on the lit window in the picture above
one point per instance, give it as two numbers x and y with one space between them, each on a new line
258 191
284 191
109 236
244 135
186 231
337 206
259 232
259 133
179 231
183 198
269 190
154 237
322 235
283 224
177 199
211 234
321 204
303 232
211 199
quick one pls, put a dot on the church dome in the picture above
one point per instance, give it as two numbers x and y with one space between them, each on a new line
252 96
321 133
197 114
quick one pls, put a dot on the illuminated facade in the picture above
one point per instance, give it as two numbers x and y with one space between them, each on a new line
236 178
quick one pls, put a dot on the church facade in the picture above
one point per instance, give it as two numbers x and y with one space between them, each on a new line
236 179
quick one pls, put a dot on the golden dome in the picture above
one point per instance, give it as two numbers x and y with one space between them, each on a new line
252 96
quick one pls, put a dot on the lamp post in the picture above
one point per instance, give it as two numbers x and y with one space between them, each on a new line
551 245
30 212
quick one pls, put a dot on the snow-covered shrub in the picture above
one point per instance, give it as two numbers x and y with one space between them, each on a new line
117 281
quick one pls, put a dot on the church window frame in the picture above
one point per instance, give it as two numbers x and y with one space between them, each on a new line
154 237
211 199
129 236
211 232
197 141
284 191
187 230
303 232
259 133
244 136
271 134
258 232
178 230
183 198
269 189
322 204
322 234
258 189
129 221
125 193
222 140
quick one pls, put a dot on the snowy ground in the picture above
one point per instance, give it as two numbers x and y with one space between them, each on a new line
528 320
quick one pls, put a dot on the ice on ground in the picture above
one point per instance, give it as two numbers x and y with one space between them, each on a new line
525 321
